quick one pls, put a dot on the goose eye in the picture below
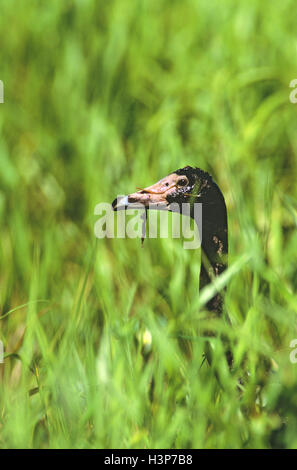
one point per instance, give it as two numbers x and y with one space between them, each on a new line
182 181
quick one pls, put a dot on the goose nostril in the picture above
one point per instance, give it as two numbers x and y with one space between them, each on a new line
132 199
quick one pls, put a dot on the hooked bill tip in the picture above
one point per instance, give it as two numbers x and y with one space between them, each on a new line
120 202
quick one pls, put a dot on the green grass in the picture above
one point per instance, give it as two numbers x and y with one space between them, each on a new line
102 97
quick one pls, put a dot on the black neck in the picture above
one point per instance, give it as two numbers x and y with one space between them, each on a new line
214 239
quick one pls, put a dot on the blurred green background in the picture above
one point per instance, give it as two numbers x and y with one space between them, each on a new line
102 97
